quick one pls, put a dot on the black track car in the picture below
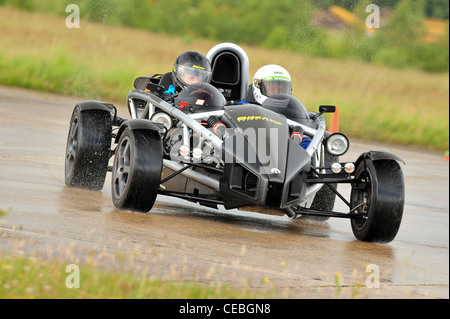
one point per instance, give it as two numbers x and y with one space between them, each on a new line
245 156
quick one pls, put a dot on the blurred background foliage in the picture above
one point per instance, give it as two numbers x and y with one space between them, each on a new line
413 33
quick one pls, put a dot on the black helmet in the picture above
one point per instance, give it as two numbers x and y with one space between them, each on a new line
288 106
190 67
200 97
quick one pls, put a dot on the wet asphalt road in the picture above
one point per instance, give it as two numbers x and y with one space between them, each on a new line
181 240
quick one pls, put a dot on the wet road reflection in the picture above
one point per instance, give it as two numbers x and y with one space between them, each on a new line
179 239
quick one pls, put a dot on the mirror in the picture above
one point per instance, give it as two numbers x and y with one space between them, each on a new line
141 82
144 82
327 109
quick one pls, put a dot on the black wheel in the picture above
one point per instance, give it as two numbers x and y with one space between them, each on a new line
325 197
88 149
137 170
380 196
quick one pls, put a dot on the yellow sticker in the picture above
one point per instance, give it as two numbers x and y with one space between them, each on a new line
256 118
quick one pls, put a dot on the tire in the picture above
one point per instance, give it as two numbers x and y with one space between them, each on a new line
137 168
384 196
88 149
325 197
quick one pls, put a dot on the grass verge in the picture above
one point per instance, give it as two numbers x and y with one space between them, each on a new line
22 277
101 62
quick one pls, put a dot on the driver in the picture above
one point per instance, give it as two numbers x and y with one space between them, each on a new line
190 67
269 80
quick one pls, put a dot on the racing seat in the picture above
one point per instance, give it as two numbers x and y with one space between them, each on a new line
230 71
166 80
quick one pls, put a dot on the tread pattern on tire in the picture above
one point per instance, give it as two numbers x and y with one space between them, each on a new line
145 167
87 165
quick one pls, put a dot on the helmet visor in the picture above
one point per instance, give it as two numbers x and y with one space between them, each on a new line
276 85
190 75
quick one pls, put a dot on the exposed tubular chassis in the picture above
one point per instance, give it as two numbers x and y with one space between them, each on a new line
303 182
153 102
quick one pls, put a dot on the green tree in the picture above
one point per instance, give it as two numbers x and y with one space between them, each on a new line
437 9
99 10
405 24
302 36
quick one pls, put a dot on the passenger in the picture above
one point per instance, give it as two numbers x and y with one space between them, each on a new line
272 88
269 80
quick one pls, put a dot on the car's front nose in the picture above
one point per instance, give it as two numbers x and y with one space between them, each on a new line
250 183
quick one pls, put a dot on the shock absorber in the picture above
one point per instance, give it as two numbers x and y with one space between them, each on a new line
297 134
218 127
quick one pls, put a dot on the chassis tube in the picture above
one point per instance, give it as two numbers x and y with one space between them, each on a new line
308 130
315 144
318 137
132 108
189 173
173 111
318 133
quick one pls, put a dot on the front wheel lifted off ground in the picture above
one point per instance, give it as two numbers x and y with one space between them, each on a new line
380 196
137 168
